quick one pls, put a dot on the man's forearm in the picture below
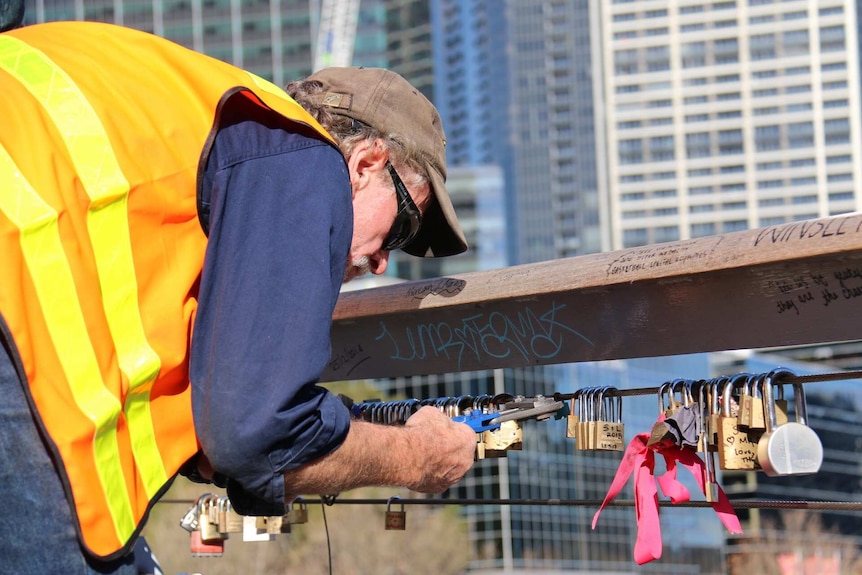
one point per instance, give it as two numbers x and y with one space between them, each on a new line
428 454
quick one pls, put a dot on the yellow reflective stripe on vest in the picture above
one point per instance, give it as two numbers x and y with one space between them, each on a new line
108 225
52 277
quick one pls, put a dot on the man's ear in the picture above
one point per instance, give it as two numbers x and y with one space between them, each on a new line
367 159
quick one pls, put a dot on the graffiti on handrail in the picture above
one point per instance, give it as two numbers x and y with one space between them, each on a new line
528 333
807 230
828 289
442 287
661 256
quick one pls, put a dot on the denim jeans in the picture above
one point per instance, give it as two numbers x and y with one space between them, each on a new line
37 529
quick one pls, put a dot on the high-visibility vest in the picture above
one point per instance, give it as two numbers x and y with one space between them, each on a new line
103 132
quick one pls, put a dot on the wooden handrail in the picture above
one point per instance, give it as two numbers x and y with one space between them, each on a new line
792 284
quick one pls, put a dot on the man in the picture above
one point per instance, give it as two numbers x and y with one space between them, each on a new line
174 234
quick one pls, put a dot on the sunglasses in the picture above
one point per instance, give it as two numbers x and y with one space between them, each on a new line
407 222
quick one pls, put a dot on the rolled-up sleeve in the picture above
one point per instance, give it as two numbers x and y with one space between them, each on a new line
280 226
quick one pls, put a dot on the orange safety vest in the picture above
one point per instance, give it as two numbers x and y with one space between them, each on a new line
100 149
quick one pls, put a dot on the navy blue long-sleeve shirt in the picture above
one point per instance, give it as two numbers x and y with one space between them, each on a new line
280 225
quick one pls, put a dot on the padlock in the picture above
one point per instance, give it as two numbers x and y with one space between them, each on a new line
735 450
792 448
200 548
610 429
743 416
221 516
660 433
584 414
714 419
756 416
710 483
207 527
189 521
268 524
780 403
509 436
233 520
298 512
573 418
395 520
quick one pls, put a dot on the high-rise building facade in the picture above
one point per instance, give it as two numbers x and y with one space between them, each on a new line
272 38
727 115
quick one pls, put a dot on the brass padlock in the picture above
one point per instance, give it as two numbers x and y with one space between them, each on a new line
268 524
792 448
298 512
509 436
756 416
207 511
395 520
573 418
735 449
200 548
233 520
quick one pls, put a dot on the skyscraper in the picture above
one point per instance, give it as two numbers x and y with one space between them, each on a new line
272 38
727 115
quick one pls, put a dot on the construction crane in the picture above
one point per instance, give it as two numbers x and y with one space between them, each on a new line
336 33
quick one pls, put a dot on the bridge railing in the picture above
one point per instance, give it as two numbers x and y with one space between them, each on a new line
793 284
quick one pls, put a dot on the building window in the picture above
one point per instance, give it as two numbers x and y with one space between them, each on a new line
701 209
734 226
701 230
836 131
762 46
631 151
697 145
842 103
666 234
635 238
832 39
767 138
799 200
800 135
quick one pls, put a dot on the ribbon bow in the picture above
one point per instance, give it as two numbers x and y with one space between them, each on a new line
639 458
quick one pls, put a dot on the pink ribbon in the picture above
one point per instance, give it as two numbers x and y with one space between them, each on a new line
640 460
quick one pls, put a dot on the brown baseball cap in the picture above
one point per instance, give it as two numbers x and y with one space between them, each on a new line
387 102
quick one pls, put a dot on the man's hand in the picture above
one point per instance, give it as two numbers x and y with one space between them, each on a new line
443 450
430 453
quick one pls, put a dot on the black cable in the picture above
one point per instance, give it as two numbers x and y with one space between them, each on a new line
738 503
323 505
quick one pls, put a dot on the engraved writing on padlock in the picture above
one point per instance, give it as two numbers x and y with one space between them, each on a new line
792 448
395 520
736 450
610 429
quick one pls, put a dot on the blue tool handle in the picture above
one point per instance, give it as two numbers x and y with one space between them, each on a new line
478 421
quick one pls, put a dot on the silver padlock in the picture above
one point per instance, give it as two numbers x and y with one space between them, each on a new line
189 521
395 520
792 448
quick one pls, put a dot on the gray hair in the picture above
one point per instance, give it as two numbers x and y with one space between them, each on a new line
348 132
